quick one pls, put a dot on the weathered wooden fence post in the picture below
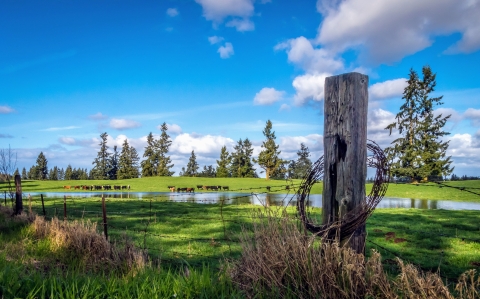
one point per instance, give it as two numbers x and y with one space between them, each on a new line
345 149
64 207
104 211
18 195
43 205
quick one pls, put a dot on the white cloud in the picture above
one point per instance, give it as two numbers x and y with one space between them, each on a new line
267 96
6 110
207 145
309 87
386 31
289 145
302 53
285 107
226 51
377 121
455 116
67 140
388 89
123 124
172 12
218 10
98 116
60 128
215 39
473 115
172 128
464 150
241 24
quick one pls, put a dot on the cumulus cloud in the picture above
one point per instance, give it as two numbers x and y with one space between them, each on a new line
473 115
289 145
309 87
267 96
285 107
386 31
60 128
123 124
205 145
239 10
377 121
172 12
302 53
215 39
6 110
98 116
172 128
226 51
387 89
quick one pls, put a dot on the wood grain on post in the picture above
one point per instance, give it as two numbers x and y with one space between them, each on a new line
104 210
345 149
18 195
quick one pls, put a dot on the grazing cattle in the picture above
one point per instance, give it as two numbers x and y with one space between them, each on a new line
214 188
287 188
128 187
191 190
115 187
172 189
77 187
181 189
206 187
268 188
124 187
199 186
66 187
225 188
98 187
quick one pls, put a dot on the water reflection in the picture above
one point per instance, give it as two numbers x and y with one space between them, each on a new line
262 199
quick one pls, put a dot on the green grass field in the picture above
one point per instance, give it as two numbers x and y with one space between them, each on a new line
248 185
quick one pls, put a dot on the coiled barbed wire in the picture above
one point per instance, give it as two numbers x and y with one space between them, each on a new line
355 218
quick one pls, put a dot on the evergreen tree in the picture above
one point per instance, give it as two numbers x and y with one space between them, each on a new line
280 173
241 165
84 175
101 162
24 174
208 172
419 153
61 174
223 163
303 163
164 161
53 175
292 169
42 167
68 173
192 166
128 162
113 164
16 172
32 173
268 158
149 165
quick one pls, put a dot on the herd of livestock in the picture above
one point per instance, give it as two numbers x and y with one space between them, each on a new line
199 187
97 187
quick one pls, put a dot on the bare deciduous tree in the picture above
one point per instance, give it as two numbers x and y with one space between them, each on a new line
8 164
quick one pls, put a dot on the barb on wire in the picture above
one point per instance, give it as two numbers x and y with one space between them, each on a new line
345 227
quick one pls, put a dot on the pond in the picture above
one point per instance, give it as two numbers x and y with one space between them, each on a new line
262 199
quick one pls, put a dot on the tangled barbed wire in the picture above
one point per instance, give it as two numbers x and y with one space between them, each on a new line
355 218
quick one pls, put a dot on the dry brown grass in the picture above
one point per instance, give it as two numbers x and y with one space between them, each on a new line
80 240
280 260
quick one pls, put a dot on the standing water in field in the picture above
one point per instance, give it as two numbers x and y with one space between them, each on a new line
315 200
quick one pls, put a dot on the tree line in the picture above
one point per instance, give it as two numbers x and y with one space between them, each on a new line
125 163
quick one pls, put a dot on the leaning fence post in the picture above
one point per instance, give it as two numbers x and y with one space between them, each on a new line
64 207
18 195
43 205
104 210
5 198
345 150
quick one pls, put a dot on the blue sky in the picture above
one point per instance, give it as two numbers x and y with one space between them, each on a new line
217 70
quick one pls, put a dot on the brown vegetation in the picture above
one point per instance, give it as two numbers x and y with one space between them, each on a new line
280 260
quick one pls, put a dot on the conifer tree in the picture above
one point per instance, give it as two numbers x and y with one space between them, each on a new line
164 161
241 165
68 173
101 162
41 167
149 165
128 162
32 173
192 166
24 174
16 172
268 158
223 163
53 175
303 163
113 164
61 174
419 153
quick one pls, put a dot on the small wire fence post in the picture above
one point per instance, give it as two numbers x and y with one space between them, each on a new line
104 211
5 198
64 207
43 205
